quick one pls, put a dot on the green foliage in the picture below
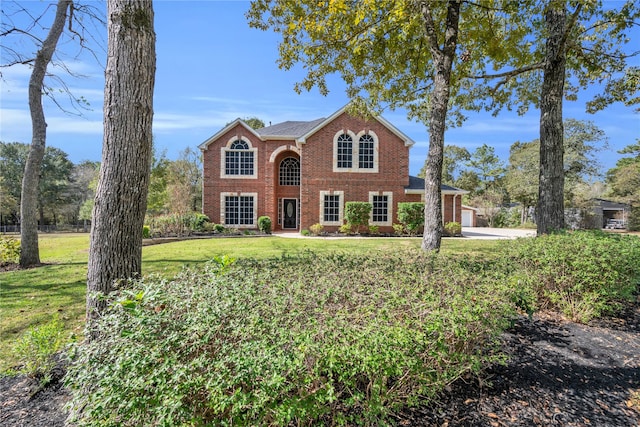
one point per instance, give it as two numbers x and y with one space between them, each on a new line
453 228
398 229
35 350
219 228
264 224
342 339
177 224
305 232
411 216
583 274
316 229
374 229
357 214
346 229
9 250
146 232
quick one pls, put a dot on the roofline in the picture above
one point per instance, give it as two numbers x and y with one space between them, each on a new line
421 191
408 142
209 140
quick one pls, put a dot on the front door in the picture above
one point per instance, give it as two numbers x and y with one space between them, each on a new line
290 213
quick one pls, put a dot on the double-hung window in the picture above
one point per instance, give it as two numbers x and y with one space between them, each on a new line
239 209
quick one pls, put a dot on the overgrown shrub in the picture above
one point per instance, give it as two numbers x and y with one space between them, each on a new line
264 224
356 214
176 224
453 228
582 274
316 229
9 250
36 349
334 339
411 215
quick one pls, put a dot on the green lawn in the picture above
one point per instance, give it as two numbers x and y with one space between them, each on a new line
32 297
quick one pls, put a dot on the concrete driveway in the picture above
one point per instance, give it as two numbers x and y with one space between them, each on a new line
496 233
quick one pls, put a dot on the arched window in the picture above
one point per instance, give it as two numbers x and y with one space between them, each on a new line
345 151
365 152
290 171
239 159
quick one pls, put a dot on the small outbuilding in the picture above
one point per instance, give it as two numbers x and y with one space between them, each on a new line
469 216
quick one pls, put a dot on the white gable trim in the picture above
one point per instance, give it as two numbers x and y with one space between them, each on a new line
408 142
205 144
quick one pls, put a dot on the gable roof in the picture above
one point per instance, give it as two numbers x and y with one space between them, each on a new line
288 129
416 186
231 125
299 131
408 142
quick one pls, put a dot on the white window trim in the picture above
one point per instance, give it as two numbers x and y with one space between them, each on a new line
340 207
389 195
223 216
223 157
355 154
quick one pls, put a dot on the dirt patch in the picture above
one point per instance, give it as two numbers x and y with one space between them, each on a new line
558 373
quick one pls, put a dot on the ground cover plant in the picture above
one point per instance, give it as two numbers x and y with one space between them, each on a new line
581 274
311 338
34 296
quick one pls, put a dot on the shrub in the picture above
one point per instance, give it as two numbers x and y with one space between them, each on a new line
264 224
374 229
36 349
316 229
177 224
146 232
197 221
305 232
411 215
583 274
398 229
346 229
453 228
356 214
339 339
218 228
9 250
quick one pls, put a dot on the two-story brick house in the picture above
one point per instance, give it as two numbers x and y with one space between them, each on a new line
303 173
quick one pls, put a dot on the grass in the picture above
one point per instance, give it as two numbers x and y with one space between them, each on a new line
32 297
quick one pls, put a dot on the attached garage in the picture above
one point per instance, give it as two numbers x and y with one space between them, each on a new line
468 216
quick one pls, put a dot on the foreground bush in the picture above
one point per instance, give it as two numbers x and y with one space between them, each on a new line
300 340
582 274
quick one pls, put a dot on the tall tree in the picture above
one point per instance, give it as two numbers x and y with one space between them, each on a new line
566 46
390 54
121 197
624 181
29 252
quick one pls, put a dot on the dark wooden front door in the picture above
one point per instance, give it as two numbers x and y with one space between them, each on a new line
290 213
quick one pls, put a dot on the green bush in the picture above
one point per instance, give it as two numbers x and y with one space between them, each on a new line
346 229
146 232
374 229
453 228
264 224
582 274
411 215
305 232
36 349
356 214
9 250
398 229
176 224
219 228
316 229
335 339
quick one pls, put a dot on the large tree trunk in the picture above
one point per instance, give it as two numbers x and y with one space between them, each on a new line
121 197
550 215
443 60
29 252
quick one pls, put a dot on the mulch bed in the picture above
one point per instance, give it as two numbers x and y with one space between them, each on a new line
558 373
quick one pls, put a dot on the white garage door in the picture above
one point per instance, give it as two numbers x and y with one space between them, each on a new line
467 218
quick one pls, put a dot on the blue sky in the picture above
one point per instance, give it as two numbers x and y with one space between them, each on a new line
213 68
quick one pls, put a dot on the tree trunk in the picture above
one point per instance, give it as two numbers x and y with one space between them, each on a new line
29 252
443 60
121 196
550 216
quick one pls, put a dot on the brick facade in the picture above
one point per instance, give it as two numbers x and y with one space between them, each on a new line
313 145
